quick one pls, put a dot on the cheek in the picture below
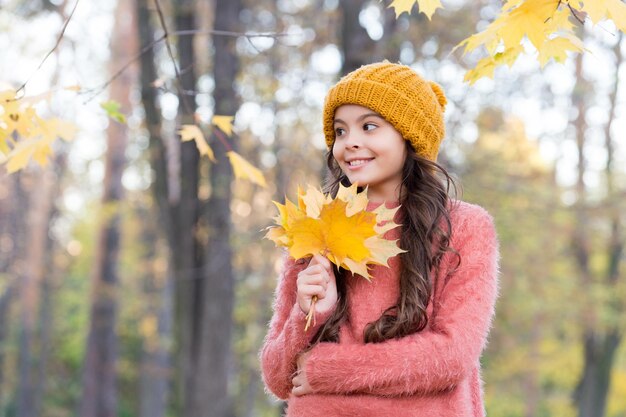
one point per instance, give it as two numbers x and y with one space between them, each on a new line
403 156
401 152
336 153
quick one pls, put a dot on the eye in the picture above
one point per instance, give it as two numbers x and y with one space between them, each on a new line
369 126
339 131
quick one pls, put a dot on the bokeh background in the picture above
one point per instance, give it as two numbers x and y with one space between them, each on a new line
134 277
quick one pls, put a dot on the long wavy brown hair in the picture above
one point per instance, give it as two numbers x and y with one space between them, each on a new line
426 232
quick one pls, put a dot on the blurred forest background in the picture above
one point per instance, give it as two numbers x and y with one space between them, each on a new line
134 277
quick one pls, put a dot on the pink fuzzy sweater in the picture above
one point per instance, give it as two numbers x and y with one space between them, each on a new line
432 373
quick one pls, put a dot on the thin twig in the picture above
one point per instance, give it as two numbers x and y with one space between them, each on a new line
67 21
575 14
229 33
218 133
97 90
119 72
179 85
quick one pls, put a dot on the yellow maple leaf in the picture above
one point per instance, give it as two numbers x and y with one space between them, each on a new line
488 36
4 147
528 19
344 236
224 123
557 49
616 10
509 4
193 132
356 201
51 129
312 201
244 170
595 9
486 66
561 20
18 158
427 7
42 153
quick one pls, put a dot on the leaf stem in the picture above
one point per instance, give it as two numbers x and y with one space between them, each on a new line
311 314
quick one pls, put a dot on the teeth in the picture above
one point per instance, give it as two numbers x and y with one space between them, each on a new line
358 162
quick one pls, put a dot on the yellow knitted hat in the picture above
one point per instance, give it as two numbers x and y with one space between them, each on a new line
413 106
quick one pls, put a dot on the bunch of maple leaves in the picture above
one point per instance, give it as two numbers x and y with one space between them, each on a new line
341 229
549 26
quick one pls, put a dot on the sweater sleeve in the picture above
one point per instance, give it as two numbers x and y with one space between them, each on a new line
439 356
286 337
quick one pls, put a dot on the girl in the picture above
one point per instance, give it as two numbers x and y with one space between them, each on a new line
408 343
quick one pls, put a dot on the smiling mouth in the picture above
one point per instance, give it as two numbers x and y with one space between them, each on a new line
359 162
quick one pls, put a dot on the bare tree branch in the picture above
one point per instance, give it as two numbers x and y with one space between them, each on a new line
67 21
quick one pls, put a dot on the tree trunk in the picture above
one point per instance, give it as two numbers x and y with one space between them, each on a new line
593 388
156 363
356 45
30 290
99 397
5 303
187 254
158 289
388 47
213 398
14 203
600 340
46 323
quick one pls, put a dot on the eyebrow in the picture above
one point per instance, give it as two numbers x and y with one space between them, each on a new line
361 117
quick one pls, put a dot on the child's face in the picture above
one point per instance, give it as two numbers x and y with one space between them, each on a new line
369 150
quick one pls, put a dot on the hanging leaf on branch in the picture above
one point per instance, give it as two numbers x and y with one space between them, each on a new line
427 7
341 229
112 109
193 132
241 168
548 25
224 123
245 170
24 135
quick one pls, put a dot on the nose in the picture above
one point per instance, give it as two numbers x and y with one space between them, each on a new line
353 140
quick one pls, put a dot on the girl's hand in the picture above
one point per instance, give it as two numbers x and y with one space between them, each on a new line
318 279
300 383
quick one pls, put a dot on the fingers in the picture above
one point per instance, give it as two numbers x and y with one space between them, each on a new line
300 385
316 281
323 261
315 274
297 390
296 381
309 291
317 269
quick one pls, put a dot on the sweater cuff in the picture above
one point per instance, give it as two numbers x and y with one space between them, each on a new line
318 353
